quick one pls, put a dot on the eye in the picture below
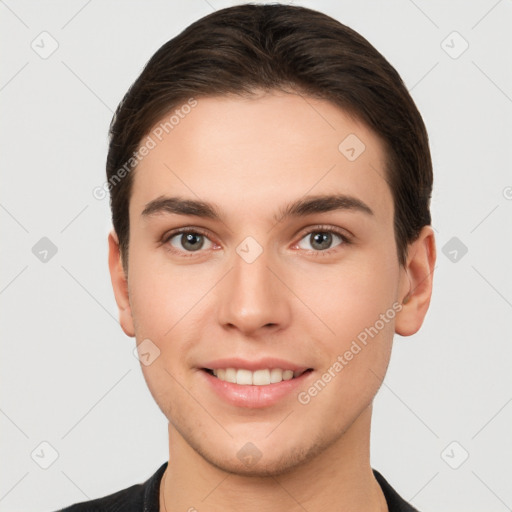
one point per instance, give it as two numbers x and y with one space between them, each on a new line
188 241
322 240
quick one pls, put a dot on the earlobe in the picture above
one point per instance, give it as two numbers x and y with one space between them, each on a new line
120 284
416 285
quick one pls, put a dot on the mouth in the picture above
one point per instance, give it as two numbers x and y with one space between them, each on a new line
254 384
260 377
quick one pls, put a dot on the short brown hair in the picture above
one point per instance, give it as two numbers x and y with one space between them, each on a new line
242 49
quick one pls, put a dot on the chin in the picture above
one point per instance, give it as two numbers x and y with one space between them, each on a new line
249 460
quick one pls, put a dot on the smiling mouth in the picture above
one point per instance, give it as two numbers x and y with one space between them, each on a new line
262 377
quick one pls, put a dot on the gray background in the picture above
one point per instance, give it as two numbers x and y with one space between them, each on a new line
69 377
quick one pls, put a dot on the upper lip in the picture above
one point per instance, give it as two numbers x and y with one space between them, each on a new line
259 364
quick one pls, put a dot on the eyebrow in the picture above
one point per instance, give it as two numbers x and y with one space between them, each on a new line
300 208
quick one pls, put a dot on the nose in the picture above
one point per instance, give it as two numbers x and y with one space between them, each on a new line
252 299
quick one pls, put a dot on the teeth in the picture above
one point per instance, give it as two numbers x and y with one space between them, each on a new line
257 378
230 375
244 377
276 375
260 377
287 374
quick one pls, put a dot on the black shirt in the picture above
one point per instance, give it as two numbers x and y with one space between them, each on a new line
146 498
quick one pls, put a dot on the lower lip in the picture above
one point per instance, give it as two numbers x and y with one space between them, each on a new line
254 396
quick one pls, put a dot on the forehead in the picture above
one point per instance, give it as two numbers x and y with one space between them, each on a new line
242 153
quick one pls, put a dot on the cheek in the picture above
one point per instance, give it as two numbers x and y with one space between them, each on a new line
358 307
164 297
350 297
167 307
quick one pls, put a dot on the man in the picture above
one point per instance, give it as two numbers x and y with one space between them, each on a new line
270 180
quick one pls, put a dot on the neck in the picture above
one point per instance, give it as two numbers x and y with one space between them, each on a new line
340 478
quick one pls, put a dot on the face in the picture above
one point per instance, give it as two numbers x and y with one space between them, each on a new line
259 244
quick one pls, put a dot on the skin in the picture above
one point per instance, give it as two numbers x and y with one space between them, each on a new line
251 157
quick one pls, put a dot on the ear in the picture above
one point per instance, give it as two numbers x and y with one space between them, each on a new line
416 283
120 284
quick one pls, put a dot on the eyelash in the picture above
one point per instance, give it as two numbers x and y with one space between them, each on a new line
346 240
